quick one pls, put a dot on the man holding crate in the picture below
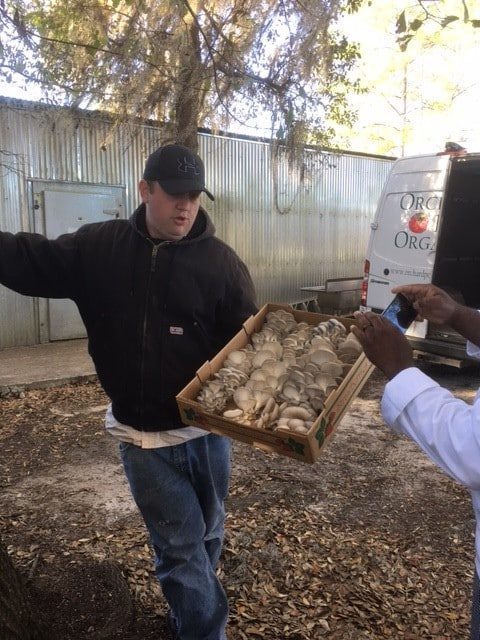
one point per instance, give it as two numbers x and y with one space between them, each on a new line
159 295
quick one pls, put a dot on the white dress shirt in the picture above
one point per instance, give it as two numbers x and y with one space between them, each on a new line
445 427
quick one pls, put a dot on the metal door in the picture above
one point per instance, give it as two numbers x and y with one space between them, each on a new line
65 208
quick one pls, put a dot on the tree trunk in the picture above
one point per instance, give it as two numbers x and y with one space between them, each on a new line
17 618
189 91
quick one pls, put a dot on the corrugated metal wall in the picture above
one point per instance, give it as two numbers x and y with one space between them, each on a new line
293 225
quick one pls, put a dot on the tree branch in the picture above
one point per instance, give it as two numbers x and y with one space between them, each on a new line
72 43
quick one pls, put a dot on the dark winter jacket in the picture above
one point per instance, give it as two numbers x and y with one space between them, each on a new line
154 311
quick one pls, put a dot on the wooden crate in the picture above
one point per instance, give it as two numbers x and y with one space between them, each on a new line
305 447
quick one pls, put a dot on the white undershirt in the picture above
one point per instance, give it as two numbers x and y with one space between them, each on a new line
149 439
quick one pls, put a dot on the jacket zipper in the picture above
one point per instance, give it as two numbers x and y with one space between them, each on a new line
153 261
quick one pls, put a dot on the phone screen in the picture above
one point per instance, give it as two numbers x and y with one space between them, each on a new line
400 312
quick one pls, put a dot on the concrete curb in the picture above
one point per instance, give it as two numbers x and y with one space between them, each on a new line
14 390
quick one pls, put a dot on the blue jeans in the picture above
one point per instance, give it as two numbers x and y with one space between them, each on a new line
180 491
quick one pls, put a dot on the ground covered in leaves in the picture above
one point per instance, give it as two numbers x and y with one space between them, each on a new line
372 541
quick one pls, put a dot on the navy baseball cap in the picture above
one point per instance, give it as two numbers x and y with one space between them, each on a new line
177 169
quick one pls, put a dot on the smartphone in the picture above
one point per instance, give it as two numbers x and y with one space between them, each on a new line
400 312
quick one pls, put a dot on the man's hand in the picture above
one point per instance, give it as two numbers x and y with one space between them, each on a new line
430 302
384 345
436 305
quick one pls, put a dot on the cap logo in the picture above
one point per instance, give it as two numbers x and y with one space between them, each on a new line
186 165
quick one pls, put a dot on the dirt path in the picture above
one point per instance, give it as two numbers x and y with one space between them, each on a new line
370 542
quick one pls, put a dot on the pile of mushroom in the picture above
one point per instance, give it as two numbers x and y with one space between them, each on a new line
280 380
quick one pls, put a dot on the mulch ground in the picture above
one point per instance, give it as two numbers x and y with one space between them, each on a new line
372 541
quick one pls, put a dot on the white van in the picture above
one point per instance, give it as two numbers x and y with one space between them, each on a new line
427 229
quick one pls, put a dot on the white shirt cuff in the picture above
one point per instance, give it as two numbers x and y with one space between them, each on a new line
473 351
401 390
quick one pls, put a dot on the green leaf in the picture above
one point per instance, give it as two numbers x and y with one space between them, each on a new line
189 414
475 23
320 434
415 25
448 19
401 26
296 446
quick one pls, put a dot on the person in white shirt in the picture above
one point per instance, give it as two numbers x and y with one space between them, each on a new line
446 428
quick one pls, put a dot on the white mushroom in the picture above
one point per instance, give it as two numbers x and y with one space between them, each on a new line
280 380
296 412
275 368
319 356
291 392
261 397
233 413
269 406
244 399
296 423
236 357
334 369
260 357
258 374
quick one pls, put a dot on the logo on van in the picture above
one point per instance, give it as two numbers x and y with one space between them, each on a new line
418 223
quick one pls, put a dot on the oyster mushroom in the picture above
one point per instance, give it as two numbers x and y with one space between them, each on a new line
319 356
261 398
289 391
296 412
334 369
244 399
233 413
261 357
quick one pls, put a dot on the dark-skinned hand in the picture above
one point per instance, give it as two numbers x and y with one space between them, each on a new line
384 345
430 302
435 305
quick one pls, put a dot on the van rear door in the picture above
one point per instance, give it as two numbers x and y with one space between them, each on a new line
402 243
